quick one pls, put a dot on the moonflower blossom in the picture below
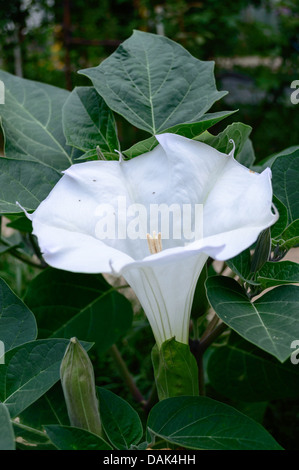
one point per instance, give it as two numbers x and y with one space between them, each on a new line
162 270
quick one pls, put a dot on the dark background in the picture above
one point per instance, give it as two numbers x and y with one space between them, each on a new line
255 45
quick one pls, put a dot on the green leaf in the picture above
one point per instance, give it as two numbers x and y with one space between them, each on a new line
247 156
17 323
241 371
203 423
175 370
71 438
282 222
274 274
271 322
200 303
30 438
94 153
7 437
26 182
120 421
48 409
5 248
84 305
35 149
30 370
155 83
191 131
88 122
238 132
268 161
285 177
241 265
20 222
290 236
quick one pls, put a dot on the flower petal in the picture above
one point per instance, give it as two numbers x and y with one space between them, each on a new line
77 252
166 291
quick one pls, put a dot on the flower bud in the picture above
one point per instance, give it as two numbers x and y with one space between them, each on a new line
78 384
262 250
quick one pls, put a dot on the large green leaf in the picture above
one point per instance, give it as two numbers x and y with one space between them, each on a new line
155 83
190 131
17 323
88 122
241 371
27 182
48 409
71 438
30 370
7 437
268 161
203 423
120 421
35 149
274 274
285 177
271 322
84 305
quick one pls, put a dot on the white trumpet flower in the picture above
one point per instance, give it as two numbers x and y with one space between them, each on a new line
162 269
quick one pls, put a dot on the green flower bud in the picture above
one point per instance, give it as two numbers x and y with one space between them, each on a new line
262 250
175 370
78 384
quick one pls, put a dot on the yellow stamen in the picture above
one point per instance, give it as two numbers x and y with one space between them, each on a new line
154 242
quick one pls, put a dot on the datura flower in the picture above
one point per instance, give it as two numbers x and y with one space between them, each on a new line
155 219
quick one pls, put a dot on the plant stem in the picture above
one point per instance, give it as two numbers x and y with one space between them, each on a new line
201 375
37 251
210 327
198 347
26 260
152 399
125 374
205 342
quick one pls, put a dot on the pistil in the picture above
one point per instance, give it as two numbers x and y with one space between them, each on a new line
154 242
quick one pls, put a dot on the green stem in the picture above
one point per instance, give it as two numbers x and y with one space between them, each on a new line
29 429
125 374
210 338
201 375
37 250
152 399
212 324
25 260
214 329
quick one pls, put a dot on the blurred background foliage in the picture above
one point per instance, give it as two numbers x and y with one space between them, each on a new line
255 45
